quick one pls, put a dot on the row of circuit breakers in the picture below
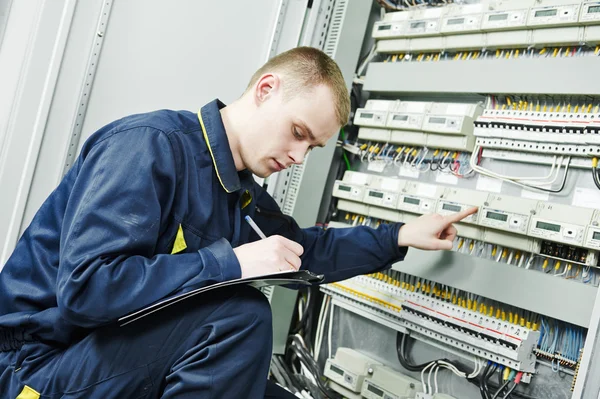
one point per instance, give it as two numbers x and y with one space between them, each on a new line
514 222
455 19
457 126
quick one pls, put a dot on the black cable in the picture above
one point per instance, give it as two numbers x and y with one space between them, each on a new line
305 357
287 372
510 391
405 362
305 315
403 359
596 176
502 387
278 363
314 390
311 310
486 378
326 390
313 363
485 371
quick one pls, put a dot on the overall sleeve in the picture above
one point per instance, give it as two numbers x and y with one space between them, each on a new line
336 253
124 188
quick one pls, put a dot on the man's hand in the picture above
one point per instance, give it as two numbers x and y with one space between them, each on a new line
432 231
271 255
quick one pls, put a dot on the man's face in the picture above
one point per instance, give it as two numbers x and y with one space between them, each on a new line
281 133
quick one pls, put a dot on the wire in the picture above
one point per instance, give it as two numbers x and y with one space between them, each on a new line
509 391
514 180
343 134
502 387
596 172
321 326
400 349
298 347
330 332
481 387
486 378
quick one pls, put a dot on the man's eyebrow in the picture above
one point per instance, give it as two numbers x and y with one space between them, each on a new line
310 133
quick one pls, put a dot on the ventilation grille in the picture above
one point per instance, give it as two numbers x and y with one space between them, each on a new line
293 188
268 292
335 27
333 18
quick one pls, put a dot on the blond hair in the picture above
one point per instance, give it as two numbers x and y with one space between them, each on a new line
305 68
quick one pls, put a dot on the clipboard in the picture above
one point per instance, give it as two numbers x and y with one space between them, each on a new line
301 277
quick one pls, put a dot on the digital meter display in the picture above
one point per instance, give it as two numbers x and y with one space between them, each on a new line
375 194
384 27
336 370
548 226
596 235
367 116
376 391
593 9
400 117
546 13
413 201
498 17
417 25
437 120
456 21
496 216
452 208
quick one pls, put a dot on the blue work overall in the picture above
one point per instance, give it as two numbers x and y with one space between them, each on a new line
153 207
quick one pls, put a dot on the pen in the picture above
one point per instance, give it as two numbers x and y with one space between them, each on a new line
255 227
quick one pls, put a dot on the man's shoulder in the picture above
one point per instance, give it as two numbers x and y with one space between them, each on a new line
164 120
145 129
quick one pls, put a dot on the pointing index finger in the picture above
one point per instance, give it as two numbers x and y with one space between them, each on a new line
458 216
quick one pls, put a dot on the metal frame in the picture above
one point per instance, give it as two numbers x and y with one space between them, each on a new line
588 383
345 24
86 87
4 12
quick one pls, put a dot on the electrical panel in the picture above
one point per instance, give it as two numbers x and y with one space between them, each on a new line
522 157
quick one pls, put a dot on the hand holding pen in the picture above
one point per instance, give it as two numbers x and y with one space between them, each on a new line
269 255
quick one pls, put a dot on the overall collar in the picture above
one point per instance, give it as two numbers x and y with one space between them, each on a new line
218 145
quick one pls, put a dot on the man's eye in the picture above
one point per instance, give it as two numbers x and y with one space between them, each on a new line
297 134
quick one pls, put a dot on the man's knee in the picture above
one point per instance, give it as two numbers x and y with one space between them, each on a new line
255 303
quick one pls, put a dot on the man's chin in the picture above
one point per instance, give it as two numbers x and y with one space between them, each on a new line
263 173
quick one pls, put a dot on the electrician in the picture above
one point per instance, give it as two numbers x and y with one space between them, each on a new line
154 206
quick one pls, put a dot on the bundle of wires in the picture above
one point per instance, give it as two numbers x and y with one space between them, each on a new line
541 183
298 370
483 382
560 339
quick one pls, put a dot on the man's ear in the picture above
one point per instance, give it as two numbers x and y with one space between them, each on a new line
266 86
